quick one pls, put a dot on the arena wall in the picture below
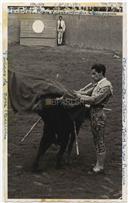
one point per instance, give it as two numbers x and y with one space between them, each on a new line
93 32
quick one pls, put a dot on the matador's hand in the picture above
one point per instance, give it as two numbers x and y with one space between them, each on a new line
78 94
59 98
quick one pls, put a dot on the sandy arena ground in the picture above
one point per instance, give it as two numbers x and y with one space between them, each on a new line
71 182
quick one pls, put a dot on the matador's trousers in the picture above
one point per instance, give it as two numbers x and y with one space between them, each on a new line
98 119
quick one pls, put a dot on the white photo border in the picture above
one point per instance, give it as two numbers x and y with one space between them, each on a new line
4 101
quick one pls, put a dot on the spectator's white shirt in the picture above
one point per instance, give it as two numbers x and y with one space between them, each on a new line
62 24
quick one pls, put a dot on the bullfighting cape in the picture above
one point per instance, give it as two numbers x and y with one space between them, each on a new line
25 90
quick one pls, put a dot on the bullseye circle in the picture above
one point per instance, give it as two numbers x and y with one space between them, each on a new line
38 26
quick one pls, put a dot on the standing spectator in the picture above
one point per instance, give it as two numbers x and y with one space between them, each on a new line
60 31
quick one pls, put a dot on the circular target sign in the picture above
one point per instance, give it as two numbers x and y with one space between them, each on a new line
38 26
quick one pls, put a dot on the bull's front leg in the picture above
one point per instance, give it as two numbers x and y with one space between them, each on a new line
63 145
45 143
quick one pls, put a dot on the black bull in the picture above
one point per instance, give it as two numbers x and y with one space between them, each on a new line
59 121
29 92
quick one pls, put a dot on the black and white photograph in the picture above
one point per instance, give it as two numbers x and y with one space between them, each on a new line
65 82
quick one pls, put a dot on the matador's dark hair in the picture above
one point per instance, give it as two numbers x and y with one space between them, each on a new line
100 68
